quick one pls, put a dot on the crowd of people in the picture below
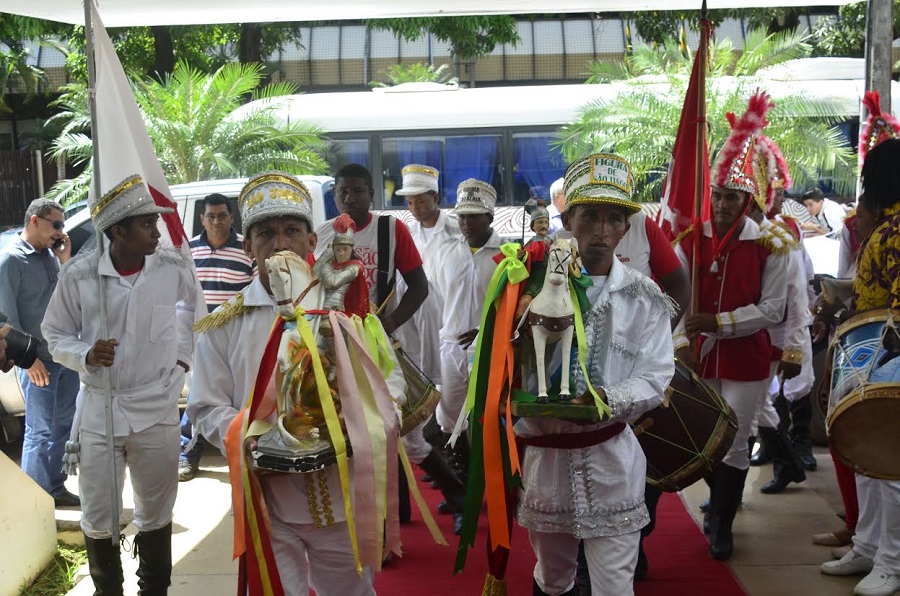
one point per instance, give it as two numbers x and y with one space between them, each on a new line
584 501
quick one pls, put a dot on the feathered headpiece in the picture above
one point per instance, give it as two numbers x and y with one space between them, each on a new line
771 172
878 127
734 166
343 230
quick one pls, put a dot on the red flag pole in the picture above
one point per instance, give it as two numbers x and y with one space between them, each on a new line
700 177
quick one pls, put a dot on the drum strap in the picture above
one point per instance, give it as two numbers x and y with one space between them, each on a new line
384 275
574 440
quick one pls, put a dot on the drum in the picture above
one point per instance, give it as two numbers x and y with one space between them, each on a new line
422 396
686 436
864 404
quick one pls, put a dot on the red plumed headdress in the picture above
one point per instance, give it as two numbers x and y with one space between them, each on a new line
878 127
734 166
771 172
343 229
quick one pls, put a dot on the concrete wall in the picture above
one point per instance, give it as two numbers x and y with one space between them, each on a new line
27 528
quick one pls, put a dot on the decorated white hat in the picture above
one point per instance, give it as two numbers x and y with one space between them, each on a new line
128 198
418 179
474 197
601 178
274 194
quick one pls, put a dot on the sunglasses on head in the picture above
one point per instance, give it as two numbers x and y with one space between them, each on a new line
57 224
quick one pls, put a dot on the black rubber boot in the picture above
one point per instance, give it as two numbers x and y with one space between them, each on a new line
453 490
786 464
405 507
801 416
651 499
582 576
709 511
105 566
154 553
725 501
459 457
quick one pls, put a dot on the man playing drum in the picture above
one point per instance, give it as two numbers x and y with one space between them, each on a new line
430 230
742 293
876 545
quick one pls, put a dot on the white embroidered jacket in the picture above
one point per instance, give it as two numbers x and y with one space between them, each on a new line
599 490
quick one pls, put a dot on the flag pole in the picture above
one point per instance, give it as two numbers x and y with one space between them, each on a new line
104 324
699 178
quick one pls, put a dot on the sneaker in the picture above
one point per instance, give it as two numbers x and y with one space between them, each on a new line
850 564
66 499
187 470
880 582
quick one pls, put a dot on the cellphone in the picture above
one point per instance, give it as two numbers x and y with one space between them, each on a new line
59 244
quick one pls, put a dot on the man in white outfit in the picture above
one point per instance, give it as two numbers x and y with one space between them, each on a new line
430 230
310 537
467 264
586 481
151 297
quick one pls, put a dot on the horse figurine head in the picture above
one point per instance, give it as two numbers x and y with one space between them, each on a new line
558 259
292 281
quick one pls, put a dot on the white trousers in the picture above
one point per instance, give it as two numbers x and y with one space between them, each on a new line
743 397
454 384
878 529
765 410
417 448
318 558
611 562
152 459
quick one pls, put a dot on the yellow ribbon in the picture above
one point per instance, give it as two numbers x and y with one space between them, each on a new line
378 344
333 424
582 354
420 500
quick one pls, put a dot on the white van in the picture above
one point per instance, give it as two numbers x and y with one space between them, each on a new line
187 197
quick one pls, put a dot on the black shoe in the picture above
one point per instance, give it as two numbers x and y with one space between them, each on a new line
425 478
706 522
726 498
780 483
66 499
444 508
457 523
704 505
807 459
761 457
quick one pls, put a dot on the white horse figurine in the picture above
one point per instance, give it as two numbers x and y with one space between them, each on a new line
551 317
293 284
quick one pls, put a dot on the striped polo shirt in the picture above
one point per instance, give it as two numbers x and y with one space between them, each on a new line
223 271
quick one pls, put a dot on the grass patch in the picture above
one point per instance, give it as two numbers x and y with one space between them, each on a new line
58 577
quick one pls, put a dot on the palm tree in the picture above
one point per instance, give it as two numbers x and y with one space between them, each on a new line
640 123
197 128
417 72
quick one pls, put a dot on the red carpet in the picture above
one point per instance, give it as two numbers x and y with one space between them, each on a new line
677 551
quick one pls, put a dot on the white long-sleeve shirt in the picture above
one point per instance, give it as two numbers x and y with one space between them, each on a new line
150 314
462 280
228 359
599 490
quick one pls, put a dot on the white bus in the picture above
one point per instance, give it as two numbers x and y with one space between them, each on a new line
504 135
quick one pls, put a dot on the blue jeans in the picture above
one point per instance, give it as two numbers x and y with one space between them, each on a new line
187 431
49 411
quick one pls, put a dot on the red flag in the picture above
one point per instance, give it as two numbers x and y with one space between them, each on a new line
681 184
124 145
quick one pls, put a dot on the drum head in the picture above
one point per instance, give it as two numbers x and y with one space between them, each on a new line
862 430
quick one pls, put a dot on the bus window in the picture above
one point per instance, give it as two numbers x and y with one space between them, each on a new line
538 165
457 158
342 152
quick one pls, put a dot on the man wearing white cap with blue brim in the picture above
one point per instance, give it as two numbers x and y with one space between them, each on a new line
430 230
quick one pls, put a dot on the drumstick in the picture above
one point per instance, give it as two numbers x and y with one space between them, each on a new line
380 309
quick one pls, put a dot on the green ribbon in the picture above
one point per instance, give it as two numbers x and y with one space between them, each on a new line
581 283
515 269
377 342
